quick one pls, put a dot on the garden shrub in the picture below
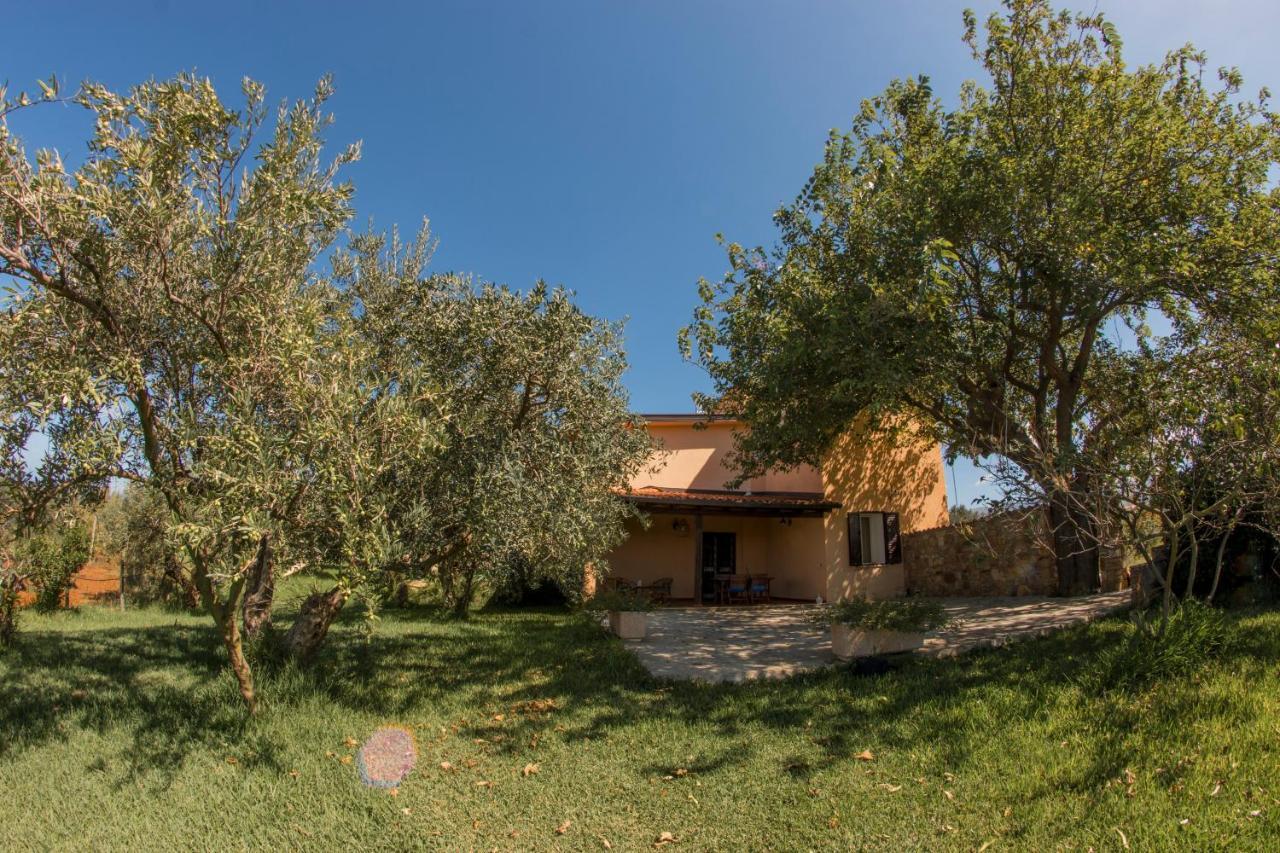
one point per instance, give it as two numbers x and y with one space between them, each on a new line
618 599
11 584
894 614
1194 635
53 560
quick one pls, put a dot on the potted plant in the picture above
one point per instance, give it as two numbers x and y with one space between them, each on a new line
860 627
628 612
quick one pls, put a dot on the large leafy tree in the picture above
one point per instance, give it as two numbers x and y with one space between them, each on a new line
972 267
531 439
157 298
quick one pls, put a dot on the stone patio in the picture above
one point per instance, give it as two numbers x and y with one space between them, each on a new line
740 643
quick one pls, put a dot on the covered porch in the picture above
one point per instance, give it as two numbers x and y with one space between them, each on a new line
718 547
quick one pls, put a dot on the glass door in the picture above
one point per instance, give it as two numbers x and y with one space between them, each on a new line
719 560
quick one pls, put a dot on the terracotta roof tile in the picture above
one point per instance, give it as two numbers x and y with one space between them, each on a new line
807 502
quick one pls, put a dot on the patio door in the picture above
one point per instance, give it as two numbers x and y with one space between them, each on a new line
719 558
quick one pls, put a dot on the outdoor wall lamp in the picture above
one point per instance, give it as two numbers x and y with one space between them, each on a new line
680 526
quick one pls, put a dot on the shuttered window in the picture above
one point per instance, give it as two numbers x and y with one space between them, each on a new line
874 538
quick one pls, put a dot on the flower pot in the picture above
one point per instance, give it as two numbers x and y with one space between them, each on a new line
847 642
629 624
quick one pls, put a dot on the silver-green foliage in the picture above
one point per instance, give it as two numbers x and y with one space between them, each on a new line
156 298
506 416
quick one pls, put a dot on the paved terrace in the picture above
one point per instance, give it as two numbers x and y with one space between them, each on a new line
740 643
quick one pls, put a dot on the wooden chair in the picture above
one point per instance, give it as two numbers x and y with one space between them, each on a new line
758 587
660 590
739 589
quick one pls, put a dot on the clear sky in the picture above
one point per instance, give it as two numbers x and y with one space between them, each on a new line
598 144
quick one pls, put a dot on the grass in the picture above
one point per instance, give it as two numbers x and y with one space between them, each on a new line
122 730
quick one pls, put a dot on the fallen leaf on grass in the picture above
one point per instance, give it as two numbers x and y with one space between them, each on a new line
986 845
446 766
406 810
530 770
564 827
865 755
948 794
346 759
664 838
497 718
231 759
892 789
833 822
1124 840
485 784
604 842
681 773
294 773
534 706
1217 789
349 742
393 792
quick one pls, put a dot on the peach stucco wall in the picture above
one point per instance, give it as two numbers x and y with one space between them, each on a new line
864 472
807 556
695 459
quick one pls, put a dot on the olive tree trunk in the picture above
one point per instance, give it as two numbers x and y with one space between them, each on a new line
312 622
260 592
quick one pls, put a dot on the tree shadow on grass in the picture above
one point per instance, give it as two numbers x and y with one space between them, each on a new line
515 676
164 683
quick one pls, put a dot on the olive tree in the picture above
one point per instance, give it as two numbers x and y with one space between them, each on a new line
157 294
533 439
968 265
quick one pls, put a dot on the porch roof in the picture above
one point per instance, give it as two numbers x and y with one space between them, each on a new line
728 502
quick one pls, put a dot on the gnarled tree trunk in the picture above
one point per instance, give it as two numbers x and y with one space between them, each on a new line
260 592
1075 545
185 587
312 622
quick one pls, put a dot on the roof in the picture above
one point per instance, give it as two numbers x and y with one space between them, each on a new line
728 502
684 418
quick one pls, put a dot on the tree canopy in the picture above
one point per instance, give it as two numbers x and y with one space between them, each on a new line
188 310
978 266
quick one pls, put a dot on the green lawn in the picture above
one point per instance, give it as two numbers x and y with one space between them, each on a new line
123 731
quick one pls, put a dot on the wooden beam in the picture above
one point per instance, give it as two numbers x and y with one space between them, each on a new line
697 558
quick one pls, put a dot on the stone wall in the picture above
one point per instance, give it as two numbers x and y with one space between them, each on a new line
1000 555
992 556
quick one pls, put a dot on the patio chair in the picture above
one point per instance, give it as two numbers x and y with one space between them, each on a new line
758 587
739 589
660 590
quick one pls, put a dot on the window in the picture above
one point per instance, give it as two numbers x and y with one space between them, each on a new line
874 539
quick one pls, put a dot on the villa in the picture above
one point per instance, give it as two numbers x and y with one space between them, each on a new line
811 532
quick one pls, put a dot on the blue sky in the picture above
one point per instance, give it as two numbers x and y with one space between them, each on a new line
600 145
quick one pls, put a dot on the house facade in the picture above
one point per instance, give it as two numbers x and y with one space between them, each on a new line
830 531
